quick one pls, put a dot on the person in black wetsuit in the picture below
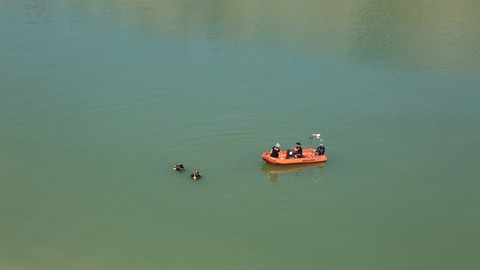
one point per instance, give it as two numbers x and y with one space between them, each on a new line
320 150
196 175
275 150
179 167
298 150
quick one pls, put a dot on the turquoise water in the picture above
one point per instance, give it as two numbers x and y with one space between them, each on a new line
98 99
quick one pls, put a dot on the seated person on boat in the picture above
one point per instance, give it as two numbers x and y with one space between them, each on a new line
275 150
320 151
298 151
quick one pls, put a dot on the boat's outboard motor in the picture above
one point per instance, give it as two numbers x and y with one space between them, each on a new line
289 153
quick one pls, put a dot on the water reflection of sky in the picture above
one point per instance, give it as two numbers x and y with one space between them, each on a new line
419 34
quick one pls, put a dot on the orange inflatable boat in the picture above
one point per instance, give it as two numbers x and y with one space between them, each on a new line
309 156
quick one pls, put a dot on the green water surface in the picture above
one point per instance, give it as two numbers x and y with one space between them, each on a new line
99 99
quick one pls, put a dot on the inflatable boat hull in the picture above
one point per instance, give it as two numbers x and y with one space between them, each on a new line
308 157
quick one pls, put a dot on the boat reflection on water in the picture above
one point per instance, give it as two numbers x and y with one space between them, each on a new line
273 171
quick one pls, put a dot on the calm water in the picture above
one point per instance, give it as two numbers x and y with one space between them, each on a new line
98 99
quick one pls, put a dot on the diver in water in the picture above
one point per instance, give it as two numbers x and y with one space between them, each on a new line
320 150
298 150
275 150
179 167
196 175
